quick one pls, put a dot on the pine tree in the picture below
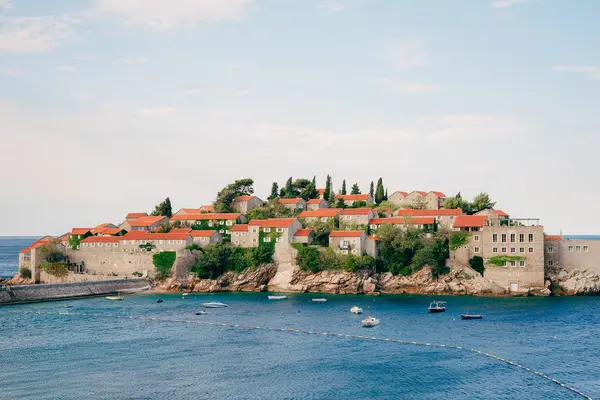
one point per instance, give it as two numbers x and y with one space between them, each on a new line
274 191
355 189
385 197
372 190
343 187
289 188
380 192
163 209
327 192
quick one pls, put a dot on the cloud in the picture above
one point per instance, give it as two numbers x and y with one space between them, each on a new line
5 4
507 3
173 14
131 60
35 34
590 71
407 55
158 111
65 68
396 86
332 6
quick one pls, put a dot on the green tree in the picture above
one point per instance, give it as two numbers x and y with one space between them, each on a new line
379 192
289 190
477 264
274 191
163 209
226 196
212 261
355 189
340 203
385 196
51 254
372 190
308 259
163 262
482 202
327 193
271 209
305 189
343 192
386 205
331 198
458 202
321 230
419 203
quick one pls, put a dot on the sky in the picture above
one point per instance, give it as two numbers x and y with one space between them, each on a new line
109 106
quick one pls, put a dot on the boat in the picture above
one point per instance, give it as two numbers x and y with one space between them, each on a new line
356 310
277 297
437 306
214 305
185 295
370 322
159 300
200 312
117 297
319 300
471 316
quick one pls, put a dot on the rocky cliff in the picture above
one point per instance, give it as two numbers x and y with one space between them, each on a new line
572 281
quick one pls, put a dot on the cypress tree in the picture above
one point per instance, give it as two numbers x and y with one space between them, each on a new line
289 188
343 187
274 191
386 195
380 192
327 193
372 190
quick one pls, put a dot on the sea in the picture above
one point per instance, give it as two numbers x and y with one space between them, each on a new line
298 349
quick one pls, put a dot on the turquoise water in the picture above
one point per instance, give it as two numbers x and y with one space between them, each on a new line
85 357
9 254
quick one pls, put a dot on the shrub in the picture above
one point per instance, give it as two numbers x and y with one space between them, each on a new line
58 269
193 247
163 262
458 239
25 273
136 273
477 264
309 259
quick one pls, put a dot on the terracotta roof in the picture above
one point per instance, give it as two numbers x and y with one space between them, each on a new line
210 209
206 217
500 213
103 226
314 201
180 230
303 232
108 231
321 191
356 211
146 221
346 233
80 231
39 243
135 215
428 213
273 222
353 197
439 194
321 213
64 237
403 221
553 237
206 233
101 239
373 238
291 201
422 193
188 211
141 235
401 192
240 228
26 250
243 198
470 221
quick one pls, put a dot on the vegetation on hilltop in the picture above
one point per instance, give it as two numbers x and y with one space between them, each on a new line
481 202
163 209
226 196
270 209
163 263
315 259
55 261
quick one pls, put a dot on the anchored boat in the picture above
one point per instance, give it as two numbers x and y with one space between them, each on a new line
277 297
356 310
319 300
370 322
471 316
437 307
117 297
214 305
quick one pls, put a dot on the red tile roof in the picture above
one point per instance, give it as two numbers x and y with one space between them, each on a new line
314 201
180 230
39 243
240 228
346 233
402 193
206 217
26 250
210 209
108 231
428 213
146 221
500 213
321 191
291 201
373 238
101 239
80 231
206 233
273 222
135 215
102 226
553 237
320 213
353 197
188 211
470 221
303 232
439 194
403 221
64 237
356 211
141 235
422 193
243 198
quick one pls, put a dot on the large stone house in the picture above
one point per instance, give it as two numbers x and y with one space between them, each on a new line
470 223
352 242
350 199
279 230
435 200
315 204
240 236
222 221
356 217
323 215
148 223
425 223
305 236
244 204
495 217
444 217
135 215
207 209
432 201
566 254
205 237
398 198
295 205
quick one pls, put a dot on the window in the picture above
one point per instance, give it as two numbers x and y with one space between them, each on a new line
266 230
550 263
373 226
550 249
279 240
354 251
512 237
229 223
577 248
521 263
253 240
531 238
345 243
495 250
522 237
522 250
476 249
267 239
586 248
495 238
323 219
513 250
243 233
504 238
476 238
513 263
237 242
347 217
344 251
92 244
531 249
254 230
210 223
279 230
571 248
504 249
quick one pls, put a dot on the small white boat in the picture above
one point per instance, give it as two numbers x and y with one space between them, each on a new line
185 295
117 297
200 312
370 322
214 305
437 307
319 300
277 297
356 310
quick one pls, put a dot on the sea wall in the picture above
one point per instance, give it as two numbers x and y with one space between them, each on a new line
60 291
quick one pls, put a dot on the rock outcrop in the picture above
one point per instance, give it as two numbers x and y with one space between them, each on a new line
572 281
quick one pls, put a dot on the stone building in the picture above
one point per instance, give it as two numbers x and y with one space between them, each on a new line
244 204
356 217
352 242
315 204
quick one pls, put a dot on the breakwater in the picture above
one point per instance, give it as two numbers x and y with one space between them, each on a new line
62 291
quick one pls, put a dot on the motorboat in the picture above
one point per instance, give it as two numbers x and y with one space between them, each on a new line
117 297
370 322
185 295
277 297
356 310
319 300
437 307
200 312
214 305
159 300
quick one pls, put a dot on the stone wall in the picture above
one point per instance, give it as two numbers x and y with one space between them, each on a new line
37 293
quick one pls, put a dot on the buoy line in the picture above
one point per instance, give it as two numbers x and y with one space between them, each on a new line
329 334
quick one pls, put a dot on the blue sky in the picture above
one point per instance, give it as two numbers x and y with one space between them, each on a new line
108 106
